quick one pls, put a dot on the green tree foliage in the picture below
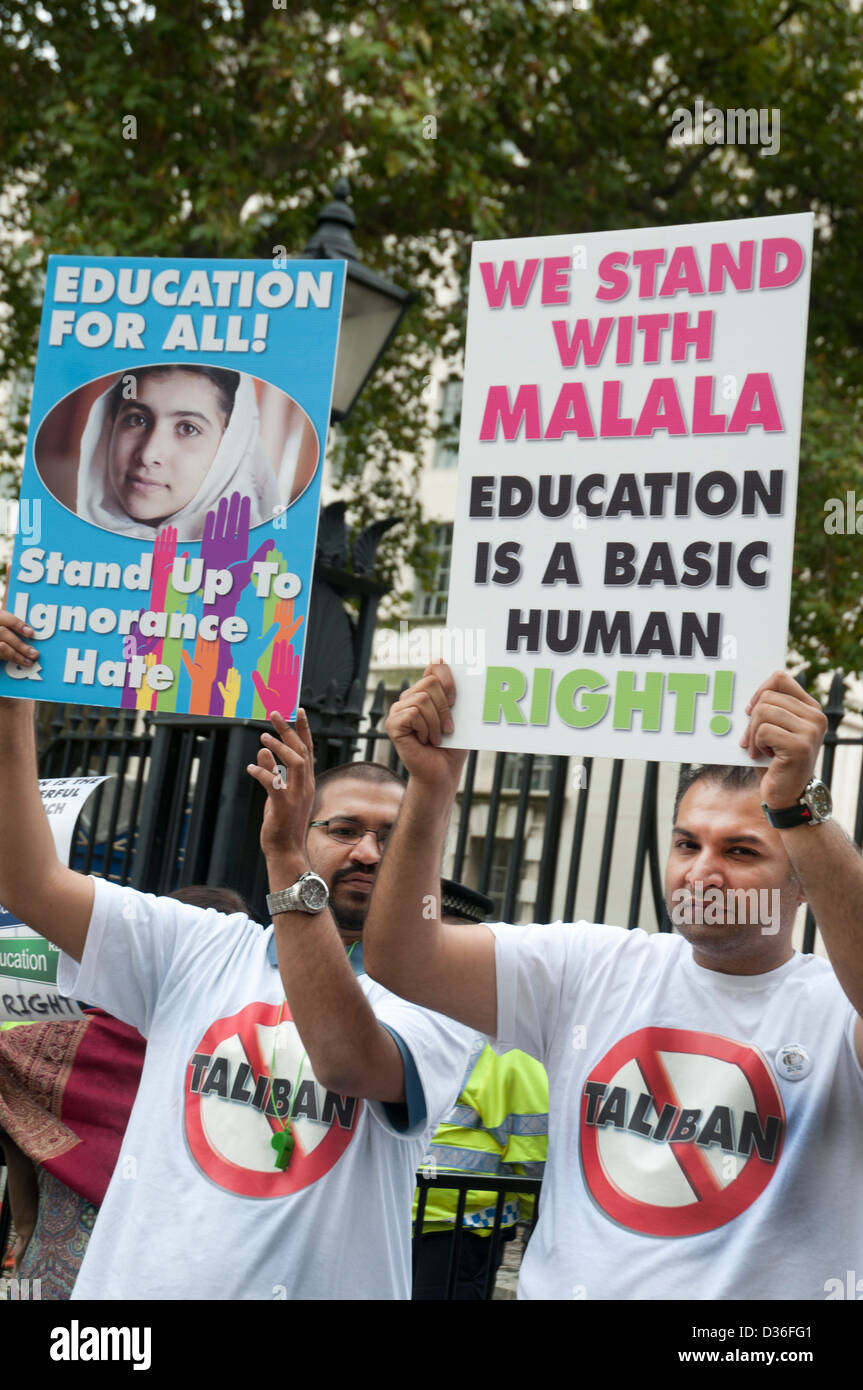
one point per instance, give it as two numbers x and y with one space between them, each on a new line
454 121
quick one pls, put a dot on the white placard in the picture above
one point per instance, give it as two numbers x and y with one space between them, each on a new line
624 528
28 963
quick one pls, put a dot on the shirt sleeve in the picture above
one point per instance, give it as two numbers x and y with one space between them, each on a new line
539 970
438 1049
135 942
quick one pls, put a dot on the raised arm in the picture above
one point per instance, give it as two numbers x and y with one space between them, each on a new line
788 726
350 1052
406 946
34 885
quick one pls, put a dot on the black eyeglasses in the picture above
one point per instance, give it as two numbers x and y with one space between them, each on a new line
350 832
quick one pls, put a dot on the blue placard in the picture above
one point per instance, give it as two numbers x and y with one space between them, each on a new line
170 493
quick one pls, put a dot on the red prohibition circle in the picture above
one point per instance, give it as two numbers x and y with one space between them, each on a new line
304 1168
713 1205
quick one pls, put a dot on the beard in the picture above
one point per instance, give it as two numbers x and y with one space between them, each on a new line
349 908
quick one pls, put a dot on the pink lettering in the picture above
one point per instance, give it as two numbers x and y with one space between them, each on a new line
570 349
756 388
662 392
555 280
509 283
499 411
571 414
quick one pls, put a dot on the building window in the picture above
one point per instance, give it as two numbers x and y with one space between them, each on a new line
446 451
432 604
540 773
500 859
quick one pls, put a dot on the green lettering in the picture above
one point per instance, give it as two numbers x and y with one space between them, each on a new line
686 687
540 700
592 708
504 687
627 700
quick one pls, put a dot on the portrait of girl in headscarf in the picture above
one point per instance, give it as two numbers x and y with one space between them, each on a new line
163 444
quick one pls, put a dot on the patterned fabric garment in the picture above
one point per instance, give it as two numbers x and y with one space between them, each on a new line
60 1238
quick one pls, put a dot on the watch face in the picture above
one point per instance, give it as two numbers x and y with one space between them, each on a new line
819 800
314 893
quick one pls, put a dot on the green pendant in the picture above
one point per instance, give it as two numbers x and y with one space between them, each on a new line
283 1143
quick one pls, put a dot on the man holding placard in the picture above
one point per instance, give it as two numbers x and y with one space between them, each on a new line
286 1099
706 1089
623 542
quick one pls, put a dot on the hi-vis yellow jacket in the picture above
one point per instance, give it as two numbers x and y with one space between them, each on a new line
497 1128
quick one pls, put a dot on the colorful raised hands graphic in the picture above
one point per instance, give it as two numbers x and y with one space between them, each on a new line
282 686
231 692
202 674
164 554
284 616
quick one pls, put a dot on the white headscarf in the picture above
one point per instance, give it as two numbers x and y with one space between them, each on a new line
240 465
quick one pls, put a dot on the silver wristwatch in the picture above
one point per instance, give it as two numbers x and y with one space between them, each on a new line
308 894
814 808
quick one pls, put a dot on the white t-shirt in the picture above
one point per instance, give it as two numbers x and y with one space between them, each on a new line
756 1192
195 1207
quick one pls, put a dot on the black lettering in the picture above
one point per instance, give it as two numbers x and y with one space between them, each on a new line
279 1102
518 628
307 1101
638 1123
664 1123
594 1090
506 558
696 558
691 632
8 1005
765 1140
482 497
568 641
199 1064
705 485
756 579
561 567
657 485
718 1129
262 1089
217 1079
684 1130
238 1091
340 1108
625 497
770 497
583 491
655 636
516 496
614 1109
658 567
561 505
608 634
480 574
619 566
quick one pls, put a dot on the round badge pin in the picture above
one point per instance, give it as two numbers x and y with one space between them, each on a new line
793 1062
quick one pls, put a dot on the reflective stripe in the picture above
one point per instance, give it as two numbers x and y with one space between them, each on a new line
525 1126
447 1156
463 1117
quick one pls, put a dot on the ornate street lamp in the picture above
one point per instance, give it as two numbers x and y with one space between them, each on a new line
373 307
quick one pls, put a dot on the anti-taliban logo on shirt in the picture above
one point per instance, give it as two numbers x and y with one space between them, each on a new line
232 1110
680 1131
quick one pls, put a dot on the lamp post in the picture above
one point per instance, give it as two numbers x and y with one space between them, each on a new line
218 833
373 307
